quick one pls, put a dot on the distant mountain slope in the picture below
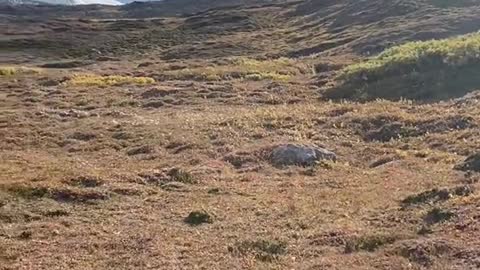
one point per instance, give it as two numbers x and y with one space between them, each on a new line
150 7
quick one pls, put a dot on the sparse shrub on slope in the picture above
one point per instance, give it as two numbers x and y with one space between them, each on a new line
427 70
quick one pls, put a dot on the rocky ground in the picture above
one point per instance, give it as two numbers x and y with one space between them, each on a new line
225 155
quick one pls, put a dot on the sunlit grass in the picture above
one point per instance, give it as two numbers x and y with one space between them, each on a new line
11 71
105 81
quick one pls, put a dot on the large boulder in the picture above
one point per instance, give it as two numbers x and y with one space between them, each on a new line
300 155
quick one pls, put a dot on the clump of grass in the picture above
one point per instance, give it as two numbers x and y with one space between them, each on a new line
427 196
28 192
7 71
434 69
144 149
369 243
78 195
85 181
168 176
264 250
179 175
281 69
435 195
105 81
11 71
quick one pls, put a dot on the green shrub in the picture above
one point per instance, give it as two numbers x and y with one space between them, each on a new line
434 69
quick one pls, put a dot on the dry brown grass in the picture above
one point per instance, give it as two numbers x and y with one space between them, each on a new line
114 174
293 206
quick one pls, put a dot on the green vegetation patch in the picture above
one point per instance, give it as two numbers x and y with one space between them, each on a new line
424 70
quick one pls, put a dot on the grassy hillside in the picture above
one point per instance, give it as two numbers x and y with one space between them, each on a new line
434 69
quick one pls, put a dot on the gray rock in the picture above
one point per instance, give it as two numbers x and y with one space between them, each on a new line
301 155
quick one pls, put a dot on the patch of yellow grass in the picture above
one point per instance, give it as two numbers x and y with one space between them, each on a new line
10 71
7 71
281 69
105 81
